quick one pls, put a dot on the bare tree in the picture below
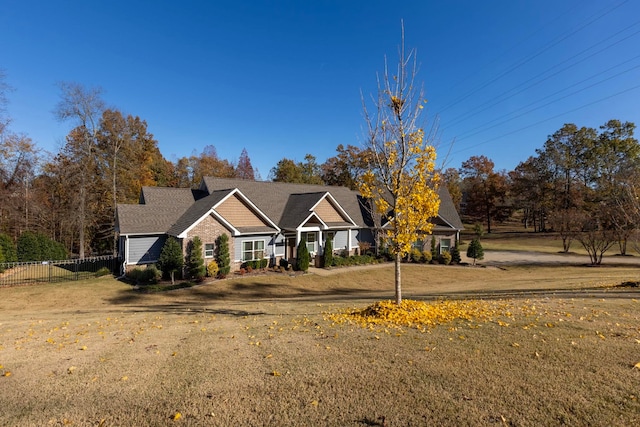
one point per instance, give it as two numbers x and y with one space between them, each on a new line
597 235
84 107
4 88
568 223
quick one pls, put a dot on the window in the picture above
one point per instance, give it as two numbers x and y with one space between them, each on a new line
445 245
311 242
331 235
208 250
418 244
252 250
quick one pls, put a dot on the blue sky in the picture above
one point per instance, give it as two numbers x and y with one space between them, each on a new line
283 78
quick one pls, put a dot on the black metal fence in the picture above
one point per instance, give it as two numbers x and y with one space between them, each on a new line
21 273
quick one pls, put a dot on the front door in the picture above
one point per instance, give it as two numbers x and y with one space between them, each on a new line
291 248
312 243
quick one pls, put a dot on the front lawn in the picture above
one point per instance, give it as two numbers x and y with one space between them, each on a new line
268 350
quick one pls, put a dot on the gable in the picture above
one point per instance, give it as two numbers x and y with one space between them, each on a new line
288 204
328 213
238 214
313 221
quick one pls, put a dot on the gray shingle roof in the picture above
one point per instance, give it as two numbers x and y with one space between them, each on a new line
273 198
297 209
448 210
148 219
173 210
161 195
196 211
159 209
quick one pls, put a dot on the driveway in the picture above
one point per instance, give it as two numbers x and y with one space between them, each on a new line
498 258
504 258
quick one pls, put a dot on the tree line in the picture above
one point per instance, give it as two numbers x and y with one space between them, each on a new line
581 183
70 196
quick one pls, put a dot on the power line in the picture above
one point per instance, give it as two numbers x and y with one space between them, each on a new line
526 60
531 35
482 128
490 104
548 119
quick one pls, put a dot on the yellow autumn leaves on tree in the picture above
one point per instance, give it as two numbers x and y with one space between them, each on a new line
401 183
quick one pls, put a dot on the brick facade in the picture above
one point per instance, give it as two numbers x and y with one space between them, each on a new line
209 229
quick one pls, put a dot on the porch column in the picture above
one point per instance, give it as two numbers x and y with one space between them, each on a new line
349 241
320 243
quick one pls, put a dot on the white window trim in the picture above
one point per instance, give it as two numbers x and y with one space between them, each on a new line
213 248
253 250
315 241
448 247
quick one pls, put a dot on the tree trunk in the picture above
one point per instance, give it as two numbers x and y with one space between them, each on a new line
82 215
622 245
115 199
398 279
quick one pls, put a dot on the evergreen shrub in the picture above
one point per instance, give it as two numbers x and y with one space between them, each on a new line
170 260
195 261
223 258
302 259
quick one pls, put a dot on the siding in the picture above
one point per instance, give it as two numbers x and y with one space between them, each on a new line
354 239
340 240
238 214
280 243
327 212
238 241
145 250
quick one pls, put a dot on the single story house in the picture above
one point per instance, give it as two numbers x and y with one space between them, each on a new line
262 219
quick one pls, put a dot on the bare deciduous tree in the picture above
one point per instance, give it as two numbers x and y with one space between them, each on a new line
84 107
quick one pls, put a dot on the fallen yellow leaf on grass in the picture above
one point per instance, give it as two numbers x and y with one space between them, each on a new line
176 416
418 314
637 365
314 403
6 374
125 378
275 374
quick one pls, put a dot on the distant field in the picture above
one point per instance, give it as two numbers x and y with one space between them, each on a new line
549 243
513 237
260 351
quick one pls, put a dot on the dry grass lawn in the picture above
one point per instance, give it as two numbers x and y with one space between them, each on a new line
261 350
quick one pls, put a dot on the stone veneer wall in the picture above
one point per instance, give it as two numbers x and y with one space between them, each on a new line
209 229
